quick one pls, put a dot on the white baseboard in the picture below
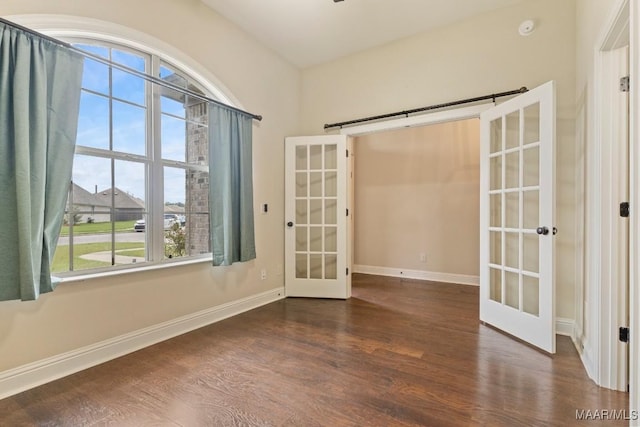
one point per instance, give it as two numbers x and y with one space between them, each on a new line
588 361
43 371
564 326
418 274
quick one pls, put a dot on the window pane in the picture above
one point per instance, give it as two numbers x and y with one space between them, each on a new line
532 123
530 295
495 285
128 87
302 239
495 173
130 186
511 290
93 121
85 240
129 128
174 186
512 170
169 74
496 135
128 59
173 138
129 210
197 133
95 76
96 50
92 174
186 212
513 130
187 140
174 211
172 102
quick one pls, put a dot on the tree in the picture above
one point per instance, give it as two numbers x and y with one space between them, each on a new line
175 239
73 214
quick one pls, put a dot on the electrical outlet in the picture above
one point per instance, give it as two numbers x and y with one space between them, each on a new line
423 257
263 274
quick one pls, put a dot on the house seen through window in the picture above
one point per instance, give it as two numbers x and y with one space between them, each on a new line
140 185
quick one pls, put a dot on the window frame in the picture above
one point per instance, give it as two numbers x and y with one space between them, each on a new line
153 163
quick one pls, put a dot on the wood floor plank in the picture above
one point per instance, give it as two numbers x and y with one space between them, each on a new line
398 353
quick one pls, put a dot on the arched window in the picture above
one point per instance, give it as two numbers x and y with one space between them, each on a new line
140 178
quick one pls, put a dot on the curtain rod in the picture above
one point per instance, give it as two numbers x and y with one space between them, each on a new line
431 107
126 69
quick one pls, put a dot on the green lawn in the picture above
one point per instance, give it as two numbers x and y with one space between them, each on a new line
61 257
136 252
97 228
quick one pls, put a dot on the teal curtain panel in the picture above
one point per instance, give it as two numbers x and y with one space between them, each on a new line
230 186
39 101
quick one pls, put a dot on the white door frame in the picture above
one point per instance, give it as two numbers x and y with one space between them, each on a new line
604 295
634 244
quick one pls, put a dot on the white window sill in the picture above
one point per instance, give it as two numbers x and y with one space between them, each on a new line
79 277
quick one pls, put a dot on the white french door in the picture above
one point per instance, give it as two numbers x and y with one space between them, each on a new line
517 217
316 229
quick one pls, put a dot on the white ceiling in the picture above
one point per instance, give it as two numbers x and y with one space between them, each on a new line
309 32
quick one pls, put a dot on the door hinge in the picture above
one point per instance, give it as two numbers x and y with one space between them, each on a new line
623 334
624 209
347 153
347 212
347 271
624 84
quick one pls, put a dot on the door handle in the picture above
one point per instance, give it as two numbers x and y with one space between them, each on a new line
542 231
290 224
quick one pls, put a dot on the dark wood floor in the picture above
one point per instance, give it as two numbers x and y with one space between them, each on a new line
400 352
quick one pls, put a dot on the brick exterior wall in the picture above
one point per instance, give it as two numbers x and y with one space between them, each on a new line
197 183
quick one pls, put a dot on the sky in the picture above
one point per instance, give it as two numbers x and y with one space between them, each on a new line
129 127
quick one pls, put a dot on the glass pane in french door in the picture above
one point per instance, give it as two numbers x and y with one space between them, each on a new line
316 211
514 172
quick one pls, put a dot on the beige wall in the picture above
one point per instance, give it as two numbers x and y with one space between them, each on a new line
481 55
417 191
83 313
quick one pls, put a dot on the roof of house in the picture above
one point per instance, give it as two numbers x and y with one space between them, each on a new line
123 200
83 197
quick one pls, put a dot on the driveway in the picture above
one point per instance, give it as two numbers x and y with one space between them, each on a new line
125 236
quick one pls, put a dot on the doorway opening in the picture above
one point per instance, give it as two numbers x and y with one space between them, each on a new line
417 202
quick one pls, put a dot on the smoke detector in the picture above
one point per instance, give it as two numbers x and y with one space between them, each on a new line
527 27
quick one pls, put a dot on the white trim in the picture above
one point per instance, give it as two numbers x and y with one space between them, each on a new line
43 371
580 234
463 113
63 26
603 305
588 360
70 277
461 279
565 326
634 244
